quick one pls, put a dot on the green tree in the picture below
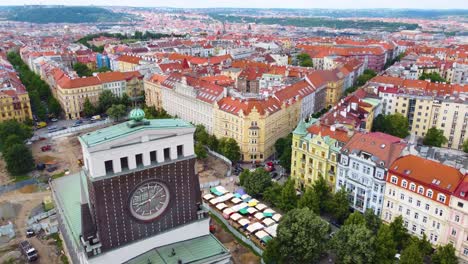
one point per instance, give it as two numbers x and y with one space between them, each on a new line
424 245
340 205
465 146
19 159
304 60
103 69
12 140
88 108
445 255
106 100
302 236
230 149
400 235
288 198
356 218
311 200
200 151
125 100
354 244
285 159
273 194
13 127
434 137
213 143
54 107
201 135
82 70
323 190
432 77
117 111
396 125
373 221
385 246
257 182
243 176
281 144
411 254
272 255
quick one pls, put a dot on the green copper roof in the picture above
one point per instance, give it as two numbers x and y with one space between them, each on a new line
195 251
301 128
137 114
124 129
68 196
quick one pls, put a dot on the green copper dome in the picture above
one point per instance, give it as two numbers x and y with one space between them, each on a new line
137 114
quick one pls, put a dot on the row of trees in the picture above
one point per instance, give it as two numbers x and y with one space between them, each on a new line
84 71
433 77
227 147
106 100
43 103
283 151
303 237
17 156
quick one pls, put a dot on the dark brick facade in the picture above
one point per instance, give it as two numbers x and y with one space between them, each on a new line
109 203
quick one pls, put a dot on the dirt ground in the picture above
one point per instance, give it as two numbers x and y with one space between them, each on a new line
240 254
4 175
26 199
211 169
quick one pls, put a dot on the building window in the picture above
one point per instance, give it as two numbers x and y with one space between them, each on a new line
402 196
418 203
414 228
416 215
139 160
412 186
124 163
167 154
394 179
457 218
410 199
421 190
153 157
180 151
465 251
454 232
441 198
109 166
425 219
460 204
429 193
404 183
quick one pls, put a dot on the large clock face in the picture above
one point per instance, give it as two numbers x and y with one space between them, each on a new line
149 200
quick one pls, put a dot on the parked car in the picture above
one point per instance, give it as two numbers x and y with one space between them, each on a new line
96 117
46 148
52 128
30 233
76 124
41 125
28 251
274 175
54 120
52 168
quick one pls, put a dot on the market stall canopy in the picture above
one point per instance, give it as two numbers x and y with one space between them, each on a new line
208 196
246 197
259 216
276 217
236 216
243 222
244 211
235 200
272 230
251 210
254 227
221 206
269 210
218 190
267 214
228 211
261 234
268 222
260 207
240 206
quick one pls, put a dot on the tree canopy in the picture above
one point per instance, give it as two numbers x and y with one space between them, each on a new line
339 207
395 124
117 111
229 148
411 254
400 235
82 70
302 237
385 246
304 60
19 159
283 151
354 244
256 182
445 255
434 137
13 127
432 77
465 146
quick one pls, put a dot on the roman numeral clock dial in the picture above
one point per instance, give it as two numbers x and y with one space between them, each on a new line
149 200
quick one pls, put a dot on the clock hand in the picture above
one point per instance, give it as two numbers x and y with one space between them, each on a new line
156 194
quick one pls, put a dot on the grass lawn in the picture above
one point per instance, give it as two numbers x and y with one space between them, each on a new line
21 178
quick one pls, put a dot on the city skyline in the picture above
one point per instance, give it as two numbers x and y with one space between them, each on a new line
298 4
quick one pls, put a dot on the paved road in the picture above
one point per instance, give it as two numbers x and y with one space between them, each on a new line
63 123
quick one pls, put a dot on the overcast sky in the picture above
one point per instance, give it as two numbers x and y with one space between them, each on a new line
426 4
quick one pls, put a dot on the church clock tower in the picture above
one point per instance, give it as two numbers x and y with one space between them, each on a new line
141 181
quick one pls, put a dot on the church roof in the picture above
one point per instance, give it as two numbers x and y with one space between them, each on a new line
123 129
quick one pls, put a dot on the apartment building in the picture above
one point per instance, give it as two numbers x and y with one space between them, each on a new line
72 93
363 168
450 114
14 99
316 152
458 220
421 191
255 124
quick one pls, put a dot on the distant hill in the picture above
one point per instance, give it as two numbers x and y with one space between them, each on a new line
65 14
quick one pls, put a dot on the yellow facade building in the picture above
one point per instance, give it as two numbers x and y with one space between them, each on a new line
72 93
152 88
14 99
315 152
255 124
